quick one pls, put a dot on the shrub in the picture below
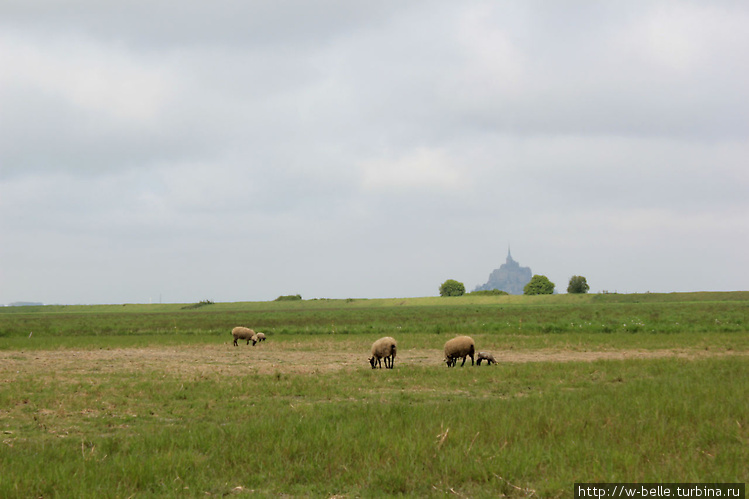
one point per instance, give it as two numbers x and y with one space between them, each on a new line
489 292
289 298
201 303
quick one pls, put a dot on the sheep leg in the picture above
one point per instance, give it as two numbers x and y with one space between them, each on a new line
235 342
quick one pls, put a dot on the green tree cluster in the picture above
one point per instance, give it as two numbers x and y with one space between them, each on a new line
578 284
451 287
539 285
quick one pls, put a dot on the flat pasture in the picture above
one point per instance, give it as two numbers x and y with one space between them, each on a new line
154 401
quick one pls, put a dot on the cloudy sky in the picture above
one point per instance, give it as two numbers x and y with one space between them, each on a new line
240 150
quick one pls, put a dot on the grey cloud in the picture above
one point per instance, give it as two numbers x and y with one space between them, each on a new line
333 148
169 23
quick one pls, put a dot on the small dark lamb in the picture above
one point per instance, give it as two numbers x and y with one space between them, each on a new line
489 358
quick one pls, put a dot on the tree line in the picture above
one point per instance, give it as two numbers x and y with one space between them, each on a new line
538 285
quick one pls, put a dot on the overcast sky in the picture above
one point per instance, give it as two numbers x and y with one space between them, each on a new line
231 150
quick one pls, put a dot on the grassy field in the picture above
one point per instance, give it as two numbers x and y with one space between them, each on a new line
154 401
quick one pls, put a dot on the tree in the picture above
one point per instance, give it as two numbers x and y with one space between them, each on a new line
578 284
451 287
539 285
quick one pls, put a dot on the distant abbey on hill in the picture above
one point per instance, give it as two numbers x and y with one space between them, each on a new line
509 277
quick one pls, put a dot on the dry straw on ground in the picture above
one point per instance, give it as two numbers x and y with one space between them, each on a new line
223 359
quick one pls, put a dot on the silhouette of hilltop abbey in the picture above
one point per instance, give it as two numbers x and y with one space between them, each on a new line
509 277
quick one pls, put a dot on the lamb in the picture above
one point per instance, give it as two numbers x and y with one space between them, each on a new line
384 348
260 336
489 358
243 333
461 346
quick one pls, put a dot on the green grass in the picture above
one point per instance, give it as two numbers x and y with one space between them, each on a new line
535 426
517 429
702 313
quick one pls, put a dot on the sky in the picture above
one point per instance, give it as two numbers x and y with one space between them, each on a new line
177 151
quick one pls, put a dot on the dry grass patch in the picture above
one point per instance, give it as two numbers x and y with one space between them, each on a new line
285 358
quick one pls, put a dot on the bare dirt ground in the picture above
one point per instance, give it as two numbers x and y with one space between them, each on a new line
268 358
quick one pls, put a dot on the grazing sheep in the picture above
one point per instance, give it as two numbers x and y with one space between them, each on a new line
260 336
242 333
461 346
384 348
489 358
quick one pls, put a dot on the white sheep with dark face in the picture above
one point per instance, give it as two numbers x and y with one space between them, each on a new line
384 348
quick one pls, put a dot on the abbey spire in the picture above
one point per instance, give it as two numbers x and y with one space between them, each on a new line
509 277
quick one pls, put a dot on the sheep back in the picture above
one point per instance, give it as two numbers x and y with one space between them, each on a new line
459 347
